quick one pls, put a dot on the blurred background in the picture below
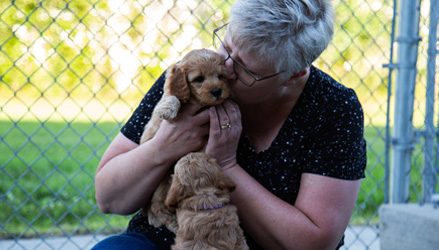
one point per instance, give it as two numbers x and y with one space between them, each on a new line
72 72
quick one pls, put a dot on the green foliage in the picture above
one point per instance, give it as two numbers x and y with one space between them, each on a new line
361 45
56 44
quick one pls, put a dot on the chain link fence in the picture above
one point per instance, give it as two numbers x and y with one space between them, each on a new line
415 126
71 73
425 154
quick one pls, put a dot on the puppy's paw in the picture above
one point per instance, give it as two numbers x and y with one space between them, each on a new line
161 215
171 224
154 221
168 107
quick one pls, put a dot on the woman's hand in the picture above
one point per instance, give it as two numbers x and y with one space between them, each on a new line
225 131
186 133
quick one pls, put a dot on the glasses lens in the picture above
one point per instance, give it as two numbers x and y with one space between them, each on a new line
218 36
216 42
242 73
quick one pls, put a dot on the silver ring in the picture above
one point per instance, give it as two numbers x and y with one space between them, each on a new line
226 126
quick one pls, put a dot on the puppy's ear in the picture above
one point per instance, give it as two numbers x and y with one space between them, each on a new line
175 193
225 183
176 83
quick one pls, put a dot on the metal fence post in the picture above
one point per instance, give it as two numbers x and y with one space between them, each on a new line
406 76
388 141
429 173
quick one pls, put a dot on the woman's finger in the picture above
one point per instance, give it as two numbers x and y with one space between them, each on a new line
223 118
190 109
233 112
201 118
214 120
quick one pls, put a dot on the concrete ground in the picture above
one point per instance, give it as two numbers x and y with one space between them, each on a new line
356 238
409 226
362 238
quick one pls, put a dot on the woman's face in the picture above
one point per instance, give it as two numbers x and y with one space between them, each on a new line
251 79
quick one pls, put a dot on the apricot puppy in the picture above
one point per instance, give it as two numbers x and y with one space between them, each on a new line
200 77
200 192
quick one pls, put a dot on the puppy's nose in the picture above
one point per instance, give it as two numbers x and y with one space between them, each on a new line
216 92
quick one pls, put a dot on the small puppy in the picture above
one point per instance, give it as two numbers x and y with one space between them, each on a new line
200 77
200 192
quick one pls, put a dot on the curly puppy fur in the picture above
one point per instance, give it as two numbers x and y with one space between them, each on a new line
200 77
200 192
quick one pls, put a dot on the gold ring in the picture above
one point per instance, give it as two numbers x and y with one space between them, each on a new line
226 126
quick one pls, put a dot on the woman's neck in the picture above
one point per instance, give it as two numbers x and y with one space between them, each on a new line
282 105
262 121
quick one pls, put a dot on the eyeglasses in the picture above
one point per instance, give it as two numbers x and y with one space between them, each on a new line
242 73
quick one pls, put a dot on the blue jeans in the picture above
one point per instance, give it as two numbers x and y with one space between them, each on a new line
132 241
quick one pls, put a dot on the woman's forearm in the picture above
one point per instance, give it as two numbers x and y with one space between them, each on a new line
274 223
129 173
262 214
126 181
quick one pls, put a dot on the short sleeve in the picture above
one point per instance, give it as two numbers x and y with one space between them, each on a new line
133 129
339 148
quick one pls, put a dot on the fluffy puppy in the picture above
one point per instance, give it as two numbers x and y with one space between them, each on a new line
200 192
200 77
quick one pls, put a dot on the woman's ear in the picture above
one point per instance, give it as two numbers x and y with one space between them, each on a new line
294 78
176 83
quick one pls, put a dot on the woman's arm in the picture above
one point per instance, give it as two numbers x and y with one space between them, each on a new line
317 220
129 173
319 216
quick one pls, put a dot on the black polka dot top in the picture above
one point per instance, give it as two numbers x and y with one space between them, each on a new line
322 135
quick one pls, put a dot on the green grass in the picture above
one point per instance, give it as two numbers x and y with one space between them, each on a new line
47 174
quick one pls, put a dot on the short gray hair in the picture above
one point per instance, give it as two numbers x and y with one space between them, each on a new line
289 34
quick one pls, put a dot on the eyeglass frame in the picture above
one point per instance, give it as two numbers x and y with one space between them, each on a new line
234 62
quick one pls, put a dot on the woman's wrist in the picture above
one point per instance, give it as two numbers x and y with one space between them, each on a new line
160 156
228 166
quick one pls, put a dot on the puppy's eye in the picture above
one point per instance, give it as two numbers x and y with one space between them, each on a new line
198 79
222 77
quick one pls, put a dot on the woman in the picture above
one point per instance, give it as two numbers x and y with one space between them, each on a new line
291 139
